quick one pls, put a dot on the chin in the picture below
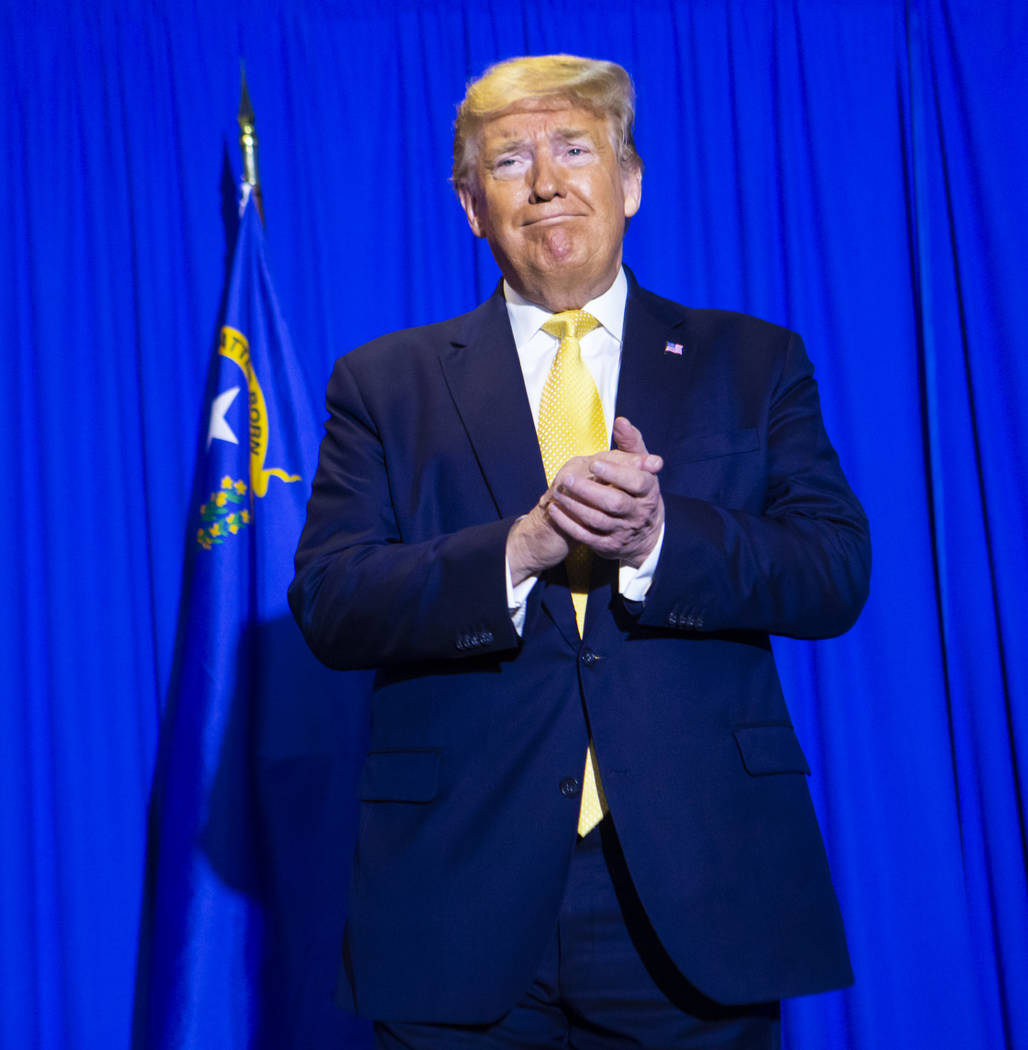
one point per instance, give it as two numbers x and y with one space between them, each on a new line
563 256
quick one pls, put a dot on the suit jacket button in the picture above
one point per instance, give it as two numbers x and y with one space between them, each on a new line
569 787
487 637
672 619
589 658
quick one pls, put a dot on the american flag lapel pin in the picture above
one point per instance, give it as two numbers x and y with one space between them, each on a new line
674 348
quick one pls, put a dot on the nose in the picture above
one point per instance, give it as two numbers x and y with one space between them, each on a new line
546 182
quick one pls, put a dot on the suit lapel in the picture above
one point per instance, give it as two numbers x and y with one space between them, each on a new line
652 380
484 377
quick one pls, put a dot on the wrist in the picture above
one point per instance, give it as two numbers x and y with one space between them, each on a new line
518 563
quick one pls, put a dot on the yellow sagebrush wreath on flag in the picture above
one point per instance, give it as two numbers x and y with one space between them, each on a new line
235 347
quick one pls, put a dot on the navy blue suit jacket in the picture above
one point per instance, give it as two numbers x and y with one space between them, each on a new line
465 832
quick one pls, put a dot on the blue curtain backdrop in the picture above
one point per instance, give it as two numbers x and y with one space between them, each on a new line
853 169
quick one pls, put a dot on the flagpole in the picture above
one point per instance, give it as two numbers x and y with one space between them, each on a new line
248 144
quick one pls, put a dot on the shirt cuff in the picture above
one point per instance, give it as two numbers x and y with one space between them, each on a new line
634 584
517 597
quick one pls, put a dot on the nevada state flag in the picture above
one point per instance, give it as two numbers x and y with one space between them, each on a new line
252 813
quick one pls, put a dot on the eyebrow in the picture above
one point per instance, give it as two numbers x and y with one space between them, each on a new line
505 146
562 134
572 133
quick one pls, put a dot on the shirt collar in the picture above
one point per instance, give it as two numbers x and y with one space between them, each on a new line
609 309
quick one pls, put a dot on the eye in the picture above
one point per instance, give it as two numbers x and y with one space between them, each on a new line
509 164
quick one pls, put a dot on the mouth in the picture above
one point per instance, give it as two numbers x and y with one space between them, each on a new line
549 220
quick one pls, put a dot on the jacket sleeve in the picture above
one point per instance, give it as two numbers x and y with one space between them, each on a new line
365 595
798 563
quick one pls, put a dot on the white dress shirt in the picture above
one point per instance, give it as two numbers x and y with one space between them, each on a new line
601 353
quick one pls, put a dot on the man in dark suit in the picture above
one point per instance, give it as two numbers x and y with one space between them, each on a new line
585 818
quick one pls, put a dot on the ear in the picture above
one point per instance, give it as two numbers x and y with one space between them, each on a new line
632 187
467 201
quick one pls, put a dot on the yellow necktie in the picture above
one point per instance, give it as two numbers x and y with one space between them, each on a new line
571 423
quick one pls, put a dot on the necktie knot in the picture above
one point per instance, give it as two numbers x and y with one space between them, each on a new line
570 324
571 421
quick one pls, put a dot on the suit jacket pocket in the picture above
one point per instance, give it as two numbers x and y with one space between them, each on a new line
770 749
400 776
693 447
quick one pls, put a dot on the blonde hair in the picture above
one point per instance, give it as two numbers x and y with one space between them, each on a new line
603 88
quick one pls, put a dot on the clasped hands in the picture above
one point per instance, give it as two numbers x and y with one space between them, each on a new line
610 502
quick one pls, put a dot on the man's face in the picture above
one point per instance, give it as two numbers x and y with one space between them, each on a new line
551 199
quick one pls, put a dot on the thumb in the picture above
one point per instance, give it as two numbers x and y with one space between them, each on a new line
628 438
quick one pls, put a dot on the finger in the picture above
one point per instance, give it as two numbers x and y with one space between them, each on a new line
570 526
601 518
650 463
610 499
634 479
617 542
625 459
577 466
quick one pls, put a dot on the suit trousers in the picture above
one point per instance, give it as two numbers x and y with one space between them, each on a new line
605 981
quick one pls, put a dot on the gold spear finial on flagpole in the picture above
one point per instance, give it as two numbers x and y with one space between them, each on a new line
248 144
